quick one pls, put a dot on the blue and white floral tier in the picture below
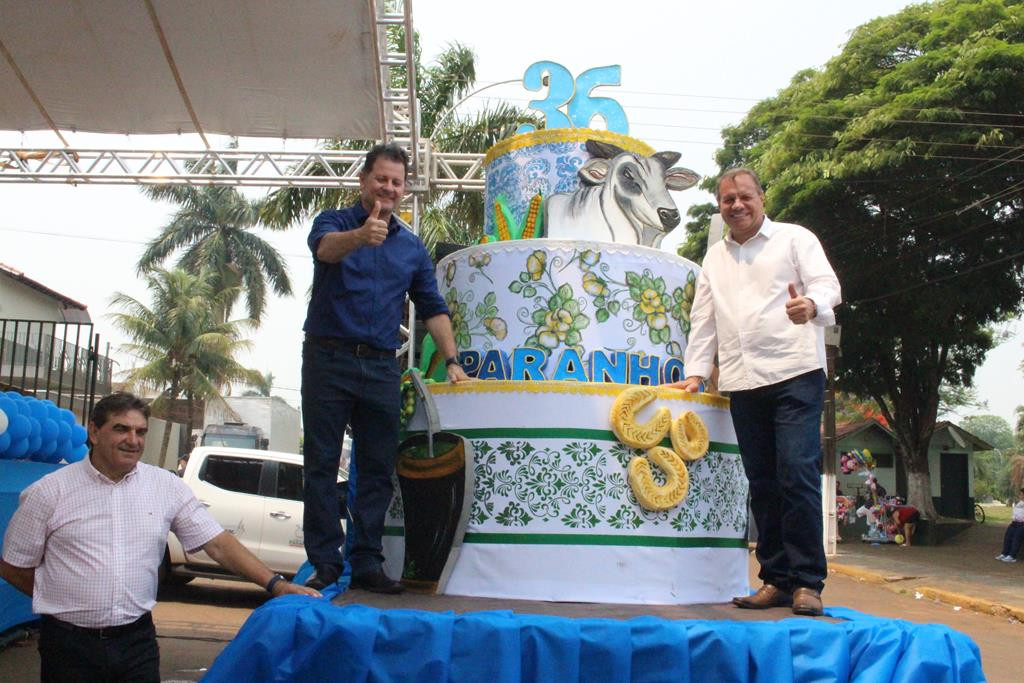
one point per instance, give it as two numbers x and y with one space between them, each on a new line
569 310
543 161
553 516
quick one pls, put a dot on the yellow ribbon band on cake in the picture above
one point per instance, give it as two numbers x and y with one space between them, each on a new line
540 137
498 386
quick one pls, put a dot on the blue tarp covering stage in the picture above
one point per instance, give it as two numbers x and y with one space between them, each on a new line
15 476
298 639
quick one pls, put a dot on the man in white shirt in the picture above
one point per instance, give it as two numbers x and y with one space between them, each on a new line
86 543
764 296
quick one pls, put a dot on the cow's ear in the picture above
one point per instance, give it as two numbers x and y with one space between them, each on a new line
594 171
680 178
666 159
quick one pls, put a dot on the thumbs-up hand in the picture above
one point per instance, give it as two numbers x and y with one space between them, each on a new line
375 229
800 309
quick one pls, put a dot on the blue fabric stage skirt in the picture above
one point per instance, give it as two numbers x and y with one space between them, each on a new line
15 477
299 639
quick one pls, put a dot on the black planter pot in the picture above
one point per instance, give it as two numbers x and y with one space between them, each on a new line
433 495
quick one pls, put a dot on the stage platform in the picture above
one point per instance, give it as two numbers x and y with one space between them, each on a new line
360 636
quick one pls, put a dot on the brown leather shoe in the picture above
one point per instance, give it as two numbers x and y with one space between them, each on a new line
766 596
807 602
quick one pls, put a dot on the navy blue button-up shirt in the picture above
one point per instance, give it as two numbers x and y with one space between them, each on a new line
360 299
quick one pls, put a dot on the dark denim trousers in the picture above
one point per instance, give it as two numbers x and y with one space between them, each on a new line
1013 538
338 389
778 428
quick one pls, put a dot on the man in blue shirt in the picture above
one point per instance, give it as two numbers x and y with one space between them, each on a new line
365 262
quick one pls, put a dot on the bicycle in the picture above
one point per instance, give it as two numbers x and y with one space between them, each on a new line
979 513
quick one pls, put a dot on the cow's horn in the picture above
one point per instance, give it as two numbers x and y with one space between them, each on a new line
603 150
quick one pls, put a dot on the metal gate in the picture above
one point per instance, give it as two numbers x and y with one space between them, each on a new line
59 361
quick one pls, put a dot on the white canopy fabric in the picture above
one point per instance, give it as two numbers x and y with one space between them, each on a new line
275 68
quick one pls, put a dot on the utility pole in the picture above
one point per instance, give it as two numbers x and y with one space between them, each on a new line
828 450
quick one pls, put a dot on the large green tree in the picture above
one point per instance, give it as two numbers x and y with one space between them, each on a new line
447 216
904 154
212 230
185 347
991 468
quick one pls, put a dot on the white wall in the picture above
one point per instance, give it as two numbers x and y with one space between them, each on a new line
17 301
154 439
278 420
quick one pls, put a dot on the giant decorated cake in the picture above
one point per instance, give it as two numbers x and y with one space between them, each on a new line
574 477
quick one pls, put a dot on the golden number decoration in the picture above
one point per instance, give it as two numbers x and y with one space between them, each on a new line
650 495
623 419
689 436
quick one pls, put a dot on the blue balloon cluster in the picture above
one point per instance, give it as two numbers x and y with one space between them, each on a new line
36 429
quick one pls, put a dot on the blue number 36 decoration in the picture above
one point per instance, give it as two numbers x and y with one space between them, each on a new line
562 90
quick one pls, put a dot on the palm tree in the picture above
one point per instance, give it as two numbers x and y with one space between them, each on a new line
263 388
185 346
451 216
212 229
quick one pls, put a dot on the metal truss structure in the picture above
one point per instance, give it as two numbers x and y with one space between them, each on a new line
396 73
320 168
430 171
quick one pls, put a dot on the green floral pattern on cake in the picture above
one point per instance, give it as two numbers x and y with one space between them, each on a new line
479 262
581 484
557 318
482 321
583 299
578 485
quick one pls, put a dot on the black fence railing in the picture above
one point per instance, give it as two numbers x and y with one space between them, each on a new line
59 361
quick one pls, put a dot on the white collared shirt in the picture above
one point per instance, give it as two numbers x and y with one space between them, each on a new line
96 544
739 311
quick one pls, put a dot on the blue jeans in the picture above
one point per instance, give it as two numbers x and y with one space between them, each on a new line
778 428
338 389
1013 538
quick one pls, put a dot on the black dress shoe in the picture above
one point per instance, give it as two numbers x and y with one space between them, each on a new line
324 576
377 582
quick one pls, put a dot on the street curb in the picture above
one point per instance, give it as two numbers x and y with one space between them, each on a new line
976 604
857 573
956 599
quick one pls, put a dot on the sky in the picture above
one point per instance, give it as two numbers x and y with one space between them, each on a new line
688 69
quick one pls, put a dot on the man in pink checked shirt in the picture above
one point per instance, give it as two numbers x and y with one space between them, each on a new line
86 543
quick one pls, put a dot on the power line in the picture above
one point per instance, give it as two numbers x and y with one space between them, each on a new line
790 116
94 238
832 137
944 278
624 91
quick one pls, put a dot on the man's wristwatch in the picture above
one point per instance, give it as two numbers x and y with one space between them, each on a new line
814 308
273 582
452 360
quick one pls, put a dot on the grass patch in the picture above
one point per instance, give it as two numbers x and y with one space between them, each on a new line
998 514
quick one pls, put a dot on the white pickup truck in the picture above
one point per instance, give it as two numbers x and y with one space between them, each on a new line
254 494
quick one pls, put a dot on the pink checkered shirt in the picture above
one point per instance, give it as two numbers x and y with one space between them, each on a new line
96 545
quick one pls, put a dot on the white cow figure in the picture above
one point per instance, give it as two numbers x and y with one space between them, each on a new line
624 198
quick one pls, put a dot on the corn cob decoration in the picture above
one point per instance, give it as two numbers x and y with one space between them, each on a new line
501 222
533 219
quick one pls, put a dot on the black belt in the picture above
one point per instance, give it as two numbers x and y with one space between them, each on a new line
358 350
145 621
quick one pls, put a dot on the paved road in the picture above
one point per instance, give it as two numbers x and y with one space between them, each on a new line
963 570
195 622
